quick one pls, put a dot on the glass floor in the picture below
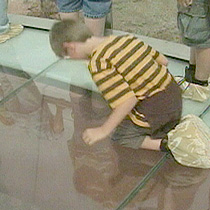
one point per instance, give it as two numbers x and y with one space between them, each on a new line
45 106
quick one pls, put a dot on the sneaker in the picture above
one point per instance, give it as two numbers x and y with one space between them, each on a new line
14 30
193 91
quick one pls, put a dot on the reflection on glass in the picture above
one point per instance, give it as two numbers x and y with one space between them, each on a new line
105 172
44 162
11 79
175 187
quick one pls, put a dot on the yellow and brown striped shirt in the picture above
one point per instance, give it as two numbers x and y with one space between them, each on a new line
124 66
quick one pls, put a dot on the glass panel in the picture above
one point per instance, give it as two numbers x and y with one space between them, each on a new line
30 51
44 162
24 57
175 187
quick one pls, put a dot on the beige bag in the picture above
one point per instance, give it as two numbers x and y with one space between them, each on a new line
193 91
189 142
13 31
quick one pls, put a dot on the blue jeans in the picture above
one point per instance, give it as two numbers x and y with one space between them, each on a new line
90 8
4 21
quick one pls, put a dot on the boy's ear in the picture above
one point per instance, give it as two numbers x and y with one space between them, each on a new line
70 45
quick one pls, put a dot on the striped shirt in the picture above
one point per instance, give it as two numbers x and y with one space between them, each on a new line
124 66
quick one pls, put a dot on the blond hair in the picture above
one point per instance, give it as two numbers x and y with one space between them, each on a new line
67 31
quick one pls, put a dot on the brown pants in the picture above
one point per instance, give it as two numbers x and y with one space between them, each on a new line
162 111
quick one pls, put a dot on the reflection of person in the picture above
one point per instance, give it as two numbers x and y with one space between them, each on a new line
103 173
94 12
28 101
134 80
194 25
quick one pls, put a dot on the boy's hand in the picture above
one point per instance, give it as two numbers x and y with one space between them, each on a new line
185 3
93 135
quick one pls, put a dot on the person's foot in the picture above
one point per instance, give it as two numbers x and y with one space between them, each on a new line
14 30
189 73
193 91
190 76
4 29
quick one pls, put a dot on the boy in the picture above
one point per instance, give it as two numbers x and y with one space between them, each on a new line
133 79
194 25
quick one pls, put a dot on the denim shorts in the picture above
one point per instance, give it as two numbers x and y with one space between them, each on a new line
194 24
90 8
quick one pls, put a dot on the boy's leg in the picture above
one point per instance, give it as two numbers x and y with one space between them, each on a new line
132 136
151 144
192 56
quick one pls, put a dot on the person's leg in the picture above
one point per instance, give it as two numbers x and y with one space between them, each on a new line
95 13
96 25
4 21
69 9
69 16
202 72
192 56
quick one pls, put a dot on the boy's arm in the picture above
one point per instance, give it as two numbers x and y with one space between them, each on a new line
157 56
93 135
161 59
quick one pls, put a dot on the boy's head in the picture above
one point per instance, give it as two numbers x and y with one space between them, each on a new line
67 31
